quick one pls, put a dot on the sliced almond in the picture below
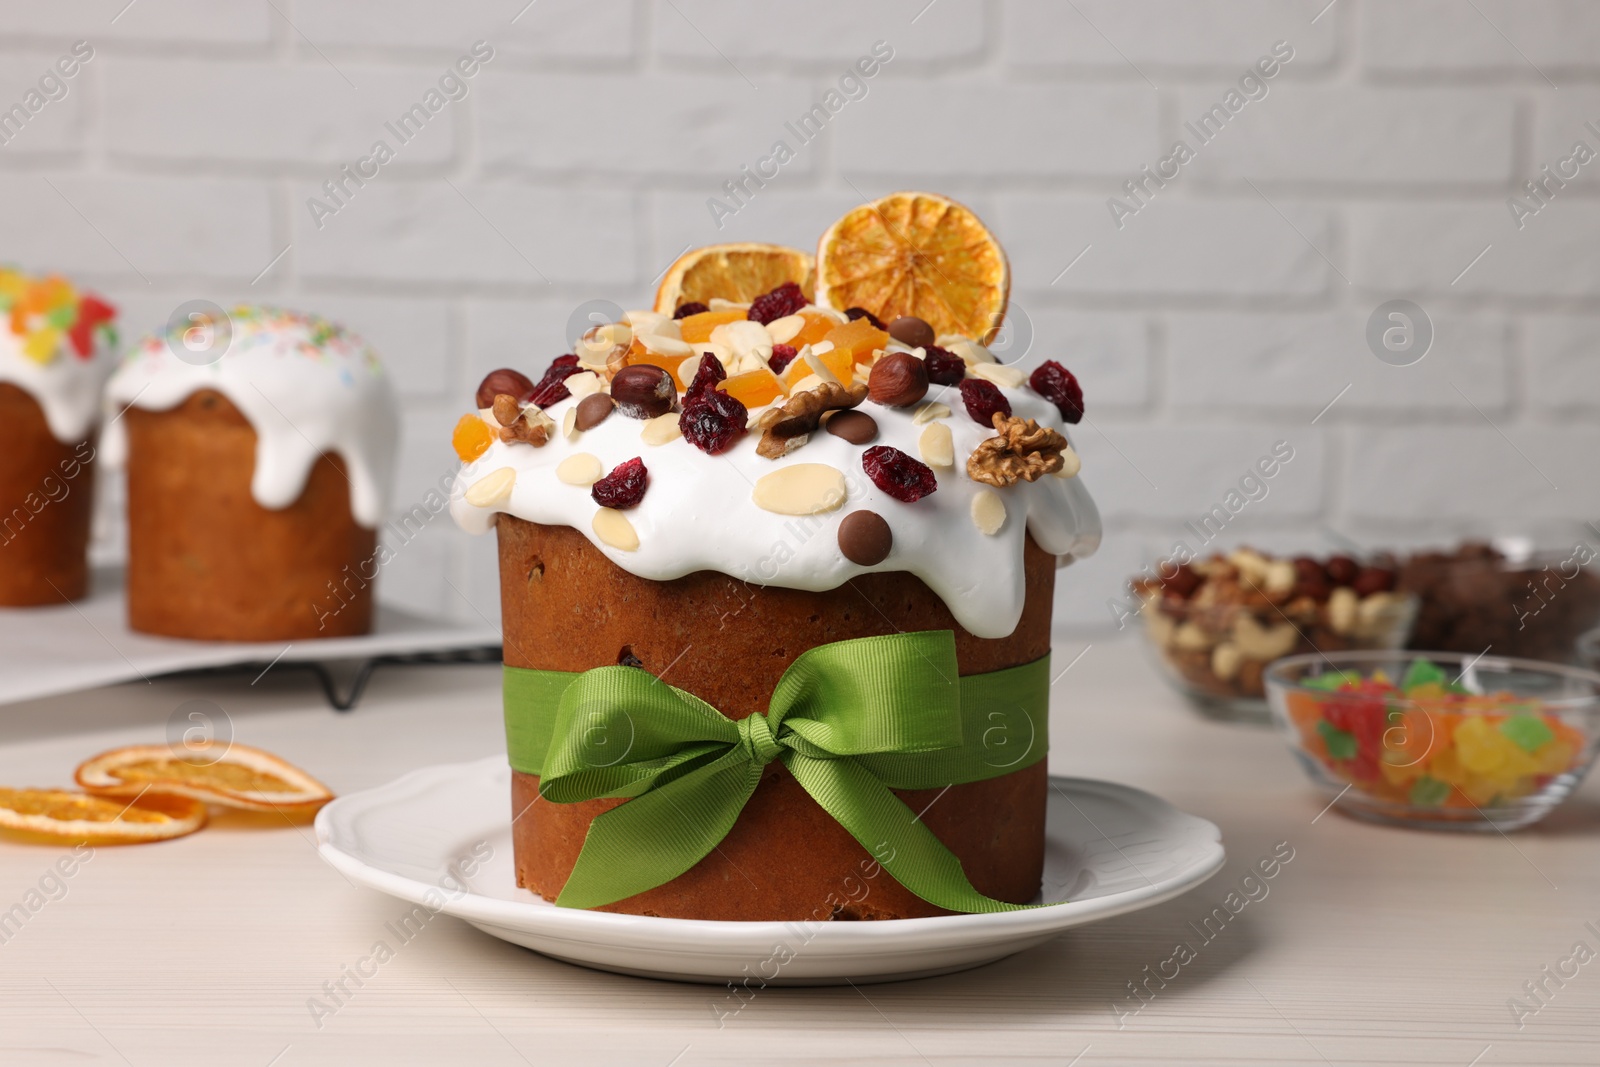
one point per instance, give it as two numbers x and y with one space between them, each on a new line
936 446
688 368
613 527
569 424
930 411
642 321
1070 463
661 429
661 345
837 316
801 489
717 303
583 383
493 489
580 468
970 351
743 338
988 511
808 383
783 330
1000 374
819 369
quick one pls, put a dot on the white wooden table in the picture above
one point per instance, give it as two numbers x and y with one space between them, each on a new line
1372 946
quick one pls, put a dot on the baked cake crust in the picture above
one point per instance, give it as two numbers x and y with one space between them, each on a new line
566 607
43 552
206 561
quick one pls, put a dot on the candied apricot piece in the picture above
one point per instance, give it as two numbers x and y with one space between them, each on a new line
859 337
753 389
696 329
471 438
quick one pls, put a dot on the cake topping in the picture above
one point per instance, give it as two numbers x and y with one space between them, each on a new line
944 366
552 389
936 446
580 469
988 512
898 380
787 428
306 385
505 380
800 489
624 487
857 427
1059 386
754 359
51 348
493 489
983 401
911 331
643 391
1023 449
527 425
898 474
613 528
472 437
864 538
593 409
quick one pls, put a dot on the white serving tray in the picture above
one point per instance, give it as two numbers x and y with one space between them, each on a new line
46 651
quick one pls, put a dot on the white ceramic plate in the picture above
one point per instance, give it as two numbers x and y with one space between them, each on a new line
441 837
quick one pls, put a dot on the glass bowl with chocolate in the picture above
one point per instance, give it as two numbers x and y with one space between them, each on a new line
1504 597
1215 624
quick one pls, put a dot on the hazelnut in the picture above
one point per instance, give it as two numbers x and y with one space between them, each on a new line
898 380
643 391
505 380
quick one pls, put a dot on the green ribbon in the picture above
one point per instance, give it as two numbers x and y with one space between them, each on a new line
851 721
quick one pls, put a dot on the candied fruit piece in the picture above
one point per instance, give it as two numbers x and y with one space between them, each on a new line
753 389
782 356
786 299
696 329
623 487
860 338
471 438
551 388
904 478
944 366
983 400
693 307
712 420
1059 386
707 374
638 354
817 327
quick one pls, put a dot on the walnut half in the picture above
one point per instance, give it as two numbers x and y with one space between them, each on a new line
787 428
528 425
1023 450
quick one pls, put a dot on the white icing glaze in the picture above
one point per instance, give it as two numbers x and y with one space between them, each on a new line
697 513
67 386
306 386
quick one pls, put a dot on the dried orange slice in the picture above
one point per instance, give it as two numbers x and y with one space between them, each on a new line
231 775
916 254
737 272
60 816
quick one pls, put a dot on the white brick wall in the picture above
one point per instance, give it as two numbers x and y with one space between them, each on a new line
1225 314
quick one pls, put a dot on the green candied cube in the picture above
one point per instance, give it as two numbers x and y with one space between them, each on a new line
1422 672
1341 744
1527 732
1429 792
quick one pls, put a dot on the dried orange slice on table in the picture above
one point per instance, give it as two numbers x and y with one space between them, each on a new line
916 254
233 776
59 816
736 272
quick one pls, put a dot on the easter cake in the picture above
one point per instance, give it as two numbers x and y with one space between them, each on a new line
259 446
742 531
55 351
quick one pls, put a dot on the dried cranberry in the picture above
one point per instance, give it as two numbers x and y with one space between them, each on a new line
786 299
782 356
983 400
898 474
1371 580
706 375
693 307
862 313
944 366
712 420
1059 386
623 487
1342 570
551 387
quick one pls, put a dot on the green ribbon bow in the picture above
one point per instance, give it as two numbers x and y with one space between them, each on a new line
850 721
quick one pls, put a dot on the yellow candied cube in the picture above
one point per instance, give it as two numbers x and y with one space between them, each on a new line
1479 746
1554 758
1446 766
1482 790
